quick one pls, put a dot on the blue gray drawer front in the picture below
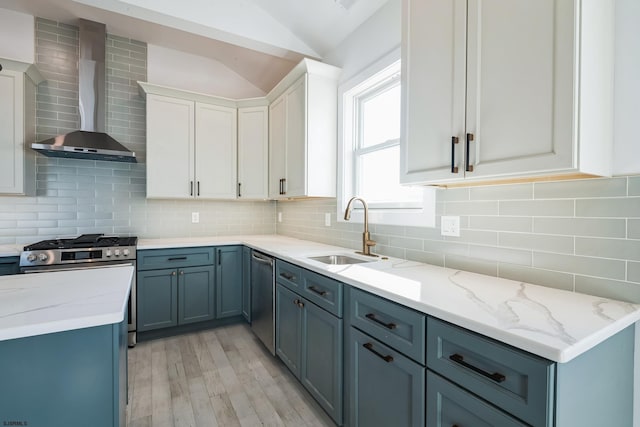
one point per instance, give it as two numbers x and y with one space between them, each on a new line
518 382
395 325
449 405
151 259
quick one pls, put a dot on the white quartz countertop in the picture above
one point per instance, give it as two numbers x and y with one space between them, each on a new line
555 324
10 250
44 303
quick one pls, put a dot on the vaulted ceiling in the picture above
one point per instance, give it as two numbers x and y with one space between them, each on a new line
237 33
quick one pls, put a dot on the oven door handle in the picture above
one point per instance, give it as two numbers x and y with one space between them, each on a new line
49 270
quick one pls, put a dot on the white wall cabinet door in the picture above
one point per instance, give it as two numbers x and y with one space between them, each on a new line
303 133
253 152
215 152
17 132
277 146
170 147
295 184
494 90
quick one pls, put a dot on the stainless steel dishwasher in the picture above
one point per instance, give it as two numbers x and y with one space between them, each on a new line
262 296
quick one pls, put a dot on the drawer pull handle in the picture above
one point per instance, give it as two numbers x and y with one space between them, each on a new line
317 291
454 141
388 358
497 377
288 276
468 167
298 303
372 316
178 258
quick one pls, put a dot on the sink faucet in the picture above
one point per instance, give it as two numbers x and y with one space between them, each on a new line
366 240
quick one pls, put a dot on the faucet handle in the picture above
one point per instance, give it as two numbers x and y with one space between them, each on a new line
370 242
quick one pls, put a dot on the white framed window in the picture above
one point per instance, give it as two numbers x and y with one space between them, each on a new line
369 123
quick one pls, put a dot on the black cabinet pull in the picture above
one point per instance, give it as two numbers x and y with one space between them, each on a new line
288 276
219 256
467 166
178 258
388 358
318 291
239 187
284 185
454 141
281 186
191 188
497 377
198 185
372 316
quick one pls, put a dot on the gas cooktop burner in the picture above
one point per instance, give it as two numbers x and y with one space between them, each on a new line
84 241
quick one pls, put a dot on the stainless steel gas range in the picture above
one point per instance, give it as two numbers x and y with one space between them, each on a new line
86 251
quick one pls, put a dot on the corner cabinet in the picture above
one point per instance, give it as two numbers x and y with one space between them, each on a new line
303 132
191 145
494 91
253 153
18 83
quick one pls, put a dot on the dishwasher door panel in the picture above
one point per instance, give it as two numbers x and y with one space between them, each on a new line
262 296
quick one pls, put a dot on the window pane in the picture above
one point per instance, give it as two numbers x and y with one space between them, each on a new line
379 176
381 117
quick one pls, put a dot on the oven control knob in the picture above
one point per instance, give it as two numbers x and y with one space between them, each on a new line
116 252
31 257
125 252
108 254
43 257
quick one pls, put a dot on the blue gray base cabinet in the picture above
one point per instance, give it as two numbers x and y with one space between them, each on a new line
386 388
594 389
202 284
9 265
71 378
229 281
246 283
309 337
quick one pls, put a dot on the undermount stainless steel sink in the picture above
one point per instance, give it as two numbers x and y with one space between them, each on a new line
339 259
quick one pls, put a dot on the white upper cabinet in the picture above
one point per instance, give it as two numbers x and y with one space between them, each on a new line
494 90
303 132
191 145
17 127
253 152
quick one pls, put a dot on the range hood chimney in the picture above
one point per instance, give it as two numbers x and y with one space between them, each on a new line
90 142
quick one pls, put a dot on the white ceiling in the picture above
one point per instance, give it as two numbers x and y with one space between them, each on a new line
248 36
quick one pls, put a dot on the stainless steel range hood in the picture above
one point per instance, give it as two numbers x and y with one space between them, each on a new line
90 142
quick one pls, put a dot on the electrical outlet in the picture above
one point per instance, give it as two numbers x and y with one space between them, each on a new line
279 216
450 226
195 217
327 219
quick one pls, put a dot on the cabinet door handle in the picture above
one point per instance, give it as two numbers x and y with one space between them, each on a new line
454 141
388 358
497 377
284 185
177 258
298 303
182 272
191 188
198 185
372 316
219 256
239 187
173 273
467 166
318 291
288 276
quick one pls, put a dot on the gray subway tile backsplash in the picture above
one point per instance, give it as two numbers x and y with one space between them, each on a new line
535 208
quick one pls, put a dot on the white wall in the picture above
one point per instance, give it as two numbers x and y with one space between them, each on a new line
17 36
169 67
377 36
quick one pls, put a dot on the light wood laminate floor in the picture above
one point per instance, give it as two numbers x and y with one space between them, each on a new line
219 377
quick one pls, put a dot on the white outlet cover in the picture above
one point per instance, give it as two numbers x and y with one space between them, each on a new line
195 217
327 219
279 216
450 226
